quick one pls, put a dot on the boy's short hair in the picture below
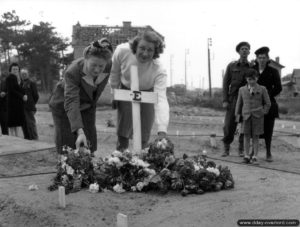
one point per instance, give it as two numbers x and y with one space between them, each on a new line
251 73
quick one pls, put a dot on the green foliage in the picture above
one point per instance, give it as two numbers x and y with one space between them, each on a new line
214 102
39 48
11 33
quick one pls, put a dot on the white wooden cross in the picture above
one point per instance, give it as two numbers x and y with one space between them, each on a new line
136 97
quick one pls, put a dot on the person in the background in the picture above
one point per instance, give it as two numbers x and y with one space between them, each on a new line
253 104
73 102
142 51
234 78
270 78
29 87
15 101
3 105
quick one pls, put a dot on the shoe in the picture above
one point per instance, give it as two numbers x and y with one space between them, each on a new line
269 159
252 153
246 160
225 154
254 161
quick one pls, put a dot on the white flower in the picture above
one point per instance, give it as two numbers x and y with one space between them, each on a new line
86 151
118 188
196 167
139 186
69 170
113 160
94 188
63 158
145 150
139 162
33 187
150 172
204 152
213 170
164 142
76 152
159 143
126 151
117 154
133 188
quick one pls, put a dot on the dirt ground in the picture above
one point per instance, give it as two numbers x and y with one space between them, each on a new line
269 191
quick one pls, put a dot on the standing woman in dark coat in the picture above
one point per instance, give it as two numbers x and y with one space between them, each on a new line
73 103
3 105
270 78
15 101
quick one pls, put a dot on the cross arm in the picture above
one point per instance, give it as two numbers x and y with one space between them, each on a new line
135 96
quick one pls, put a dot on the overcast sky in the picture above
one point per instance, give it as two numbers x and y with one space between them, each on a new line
186 24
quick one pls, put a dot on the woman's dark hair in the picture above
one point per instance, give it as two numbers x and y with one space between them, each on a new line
101 48
149 36
12 65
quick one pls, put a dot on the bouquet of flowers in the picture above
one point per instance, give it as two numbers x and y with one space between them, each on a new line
122 172
154 169
74 170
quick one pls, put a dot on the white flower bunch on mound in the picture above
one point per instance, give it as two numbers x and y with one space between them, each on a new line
139 162
118 188
214 170
69 170
93 188
162 144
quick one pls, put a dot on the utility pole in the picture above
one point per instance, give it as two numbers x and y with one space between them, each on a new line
185 68
209 43
171 69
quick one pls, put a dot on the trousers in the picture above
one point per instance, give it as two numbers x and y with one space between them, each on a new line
230 125
29 127
268 133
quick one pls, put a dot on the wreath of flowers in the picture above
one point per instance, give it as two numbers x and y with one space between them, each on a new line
154 169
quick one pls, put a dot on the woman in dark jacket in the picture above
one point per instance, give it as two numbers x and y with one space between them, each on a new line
15 101
73 103
270 78
3 105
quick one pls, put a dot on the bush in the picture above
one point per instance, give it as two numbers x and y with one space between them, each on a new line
289 105
214 102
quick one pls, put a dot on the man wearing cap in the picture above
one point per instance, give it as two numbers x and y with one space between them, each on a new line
234 78
270 78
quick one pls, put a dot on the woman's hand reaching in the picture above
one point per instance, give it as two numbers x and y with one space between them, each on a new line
81 139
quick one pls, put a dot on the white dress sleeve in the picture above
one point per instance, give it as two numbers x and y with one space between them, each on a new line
162 107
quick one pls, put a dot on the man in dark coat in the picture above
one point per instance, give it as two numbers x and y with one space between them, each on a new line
270 78
3 106
234 78
29 128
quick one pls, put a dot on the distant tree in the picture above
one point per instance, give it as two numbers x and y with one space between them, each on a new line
11 33
43 51
39 48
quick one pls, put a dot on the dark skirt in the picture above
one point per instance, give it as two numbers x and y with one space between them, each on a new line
64 135
125 128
